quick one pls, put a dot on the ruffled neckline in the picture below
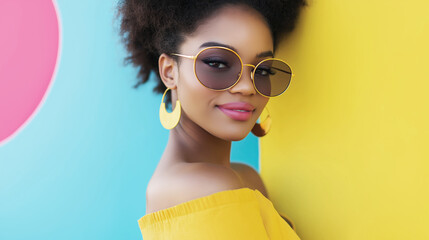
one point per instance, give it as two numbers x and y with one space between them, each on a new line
201 203
206 202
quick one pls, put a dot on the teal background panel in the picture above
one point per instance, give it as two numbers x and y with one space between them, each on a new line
79 168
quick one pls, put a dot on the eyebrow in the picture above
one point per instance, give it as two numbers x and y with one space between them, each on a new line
212 44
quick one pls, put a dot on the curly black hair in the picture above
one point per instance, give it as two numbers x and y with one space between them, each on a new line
149 28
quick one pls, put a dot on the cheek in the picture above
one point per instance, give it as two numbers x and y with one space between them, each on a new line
261 104
194 97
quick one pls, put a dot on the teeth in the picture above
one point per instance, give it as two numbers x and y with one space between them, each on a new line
240 110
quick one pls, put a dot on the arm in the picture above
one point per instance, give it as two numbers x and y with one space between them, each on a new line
251 177
254 181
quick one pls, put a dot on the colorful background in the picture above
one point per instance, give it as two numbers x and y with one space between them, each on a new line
78 144
346 158
348 155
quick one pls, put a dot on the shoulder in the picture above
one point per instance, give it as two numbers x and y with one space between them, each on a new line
186 181
250 176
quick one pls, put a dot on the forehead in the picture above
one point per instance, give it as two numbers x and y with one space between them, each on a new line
240 27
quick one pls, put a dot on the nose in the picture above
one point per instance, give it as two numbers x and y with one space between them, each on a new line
245 83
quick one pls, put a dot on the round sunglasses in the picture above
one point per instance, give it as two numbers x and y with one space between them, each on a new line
220 68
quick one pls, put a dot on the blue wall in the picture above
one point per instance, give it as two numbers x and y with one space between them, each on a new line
79 169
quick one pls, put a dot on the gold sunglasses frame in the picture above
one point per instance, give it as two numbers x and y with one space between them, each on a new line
252 74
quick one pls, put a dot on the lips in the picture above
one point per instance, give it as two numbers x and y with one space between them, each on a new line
239 111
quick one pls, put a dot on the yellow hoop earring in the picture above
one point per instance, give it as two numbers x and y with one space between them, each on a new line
261 129
169 120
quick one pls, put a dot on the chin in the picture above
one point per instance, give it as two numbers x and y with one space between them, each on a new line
238 138
233 135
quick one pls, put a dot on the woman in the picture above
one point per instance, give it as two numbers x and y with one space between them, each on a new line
214 62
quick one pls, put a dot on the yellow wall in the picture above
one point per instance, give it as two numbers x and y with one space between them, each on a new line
347 155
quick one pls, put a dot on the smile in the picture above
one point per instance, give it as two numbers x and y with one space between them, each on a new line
238 111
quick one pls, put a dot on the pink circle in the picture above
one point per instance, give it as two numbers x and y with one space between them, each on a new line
29 47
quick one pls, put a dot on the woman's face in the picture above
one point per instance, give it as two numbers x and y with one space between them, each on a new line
244 29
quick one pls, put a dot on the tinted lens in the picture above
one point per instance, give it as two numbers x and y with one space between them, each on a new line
272 77
217 68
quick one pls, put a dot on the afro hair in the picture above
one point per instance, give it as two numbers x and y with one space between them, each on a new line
149 28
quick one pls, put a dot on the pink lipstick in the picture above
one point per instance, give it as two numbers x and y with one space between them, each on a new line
239 111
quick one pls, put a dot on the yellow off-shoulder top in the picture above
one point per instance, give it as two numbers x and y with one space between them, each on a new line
241 213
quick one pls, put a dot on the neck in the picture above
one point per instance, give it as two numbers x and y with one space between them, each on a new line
188 142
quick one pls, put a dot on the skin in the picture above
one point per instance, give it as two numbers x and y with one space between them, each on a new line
196 160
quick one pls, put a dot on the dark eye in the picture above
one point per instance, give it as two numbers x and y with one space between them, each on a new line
265 71
214 63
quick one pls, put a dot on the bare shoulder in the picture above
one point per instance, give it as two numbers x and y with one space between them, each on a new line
187 181
250 176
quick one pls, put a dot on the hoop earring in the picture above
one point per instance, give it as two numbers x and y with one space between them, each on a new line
169 120
261 129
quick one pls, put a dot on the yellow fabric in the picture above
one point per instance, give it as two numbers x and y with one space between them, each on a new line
241 213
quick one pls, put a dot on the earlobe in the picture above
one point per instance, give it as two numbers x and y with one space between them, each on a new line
167 71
